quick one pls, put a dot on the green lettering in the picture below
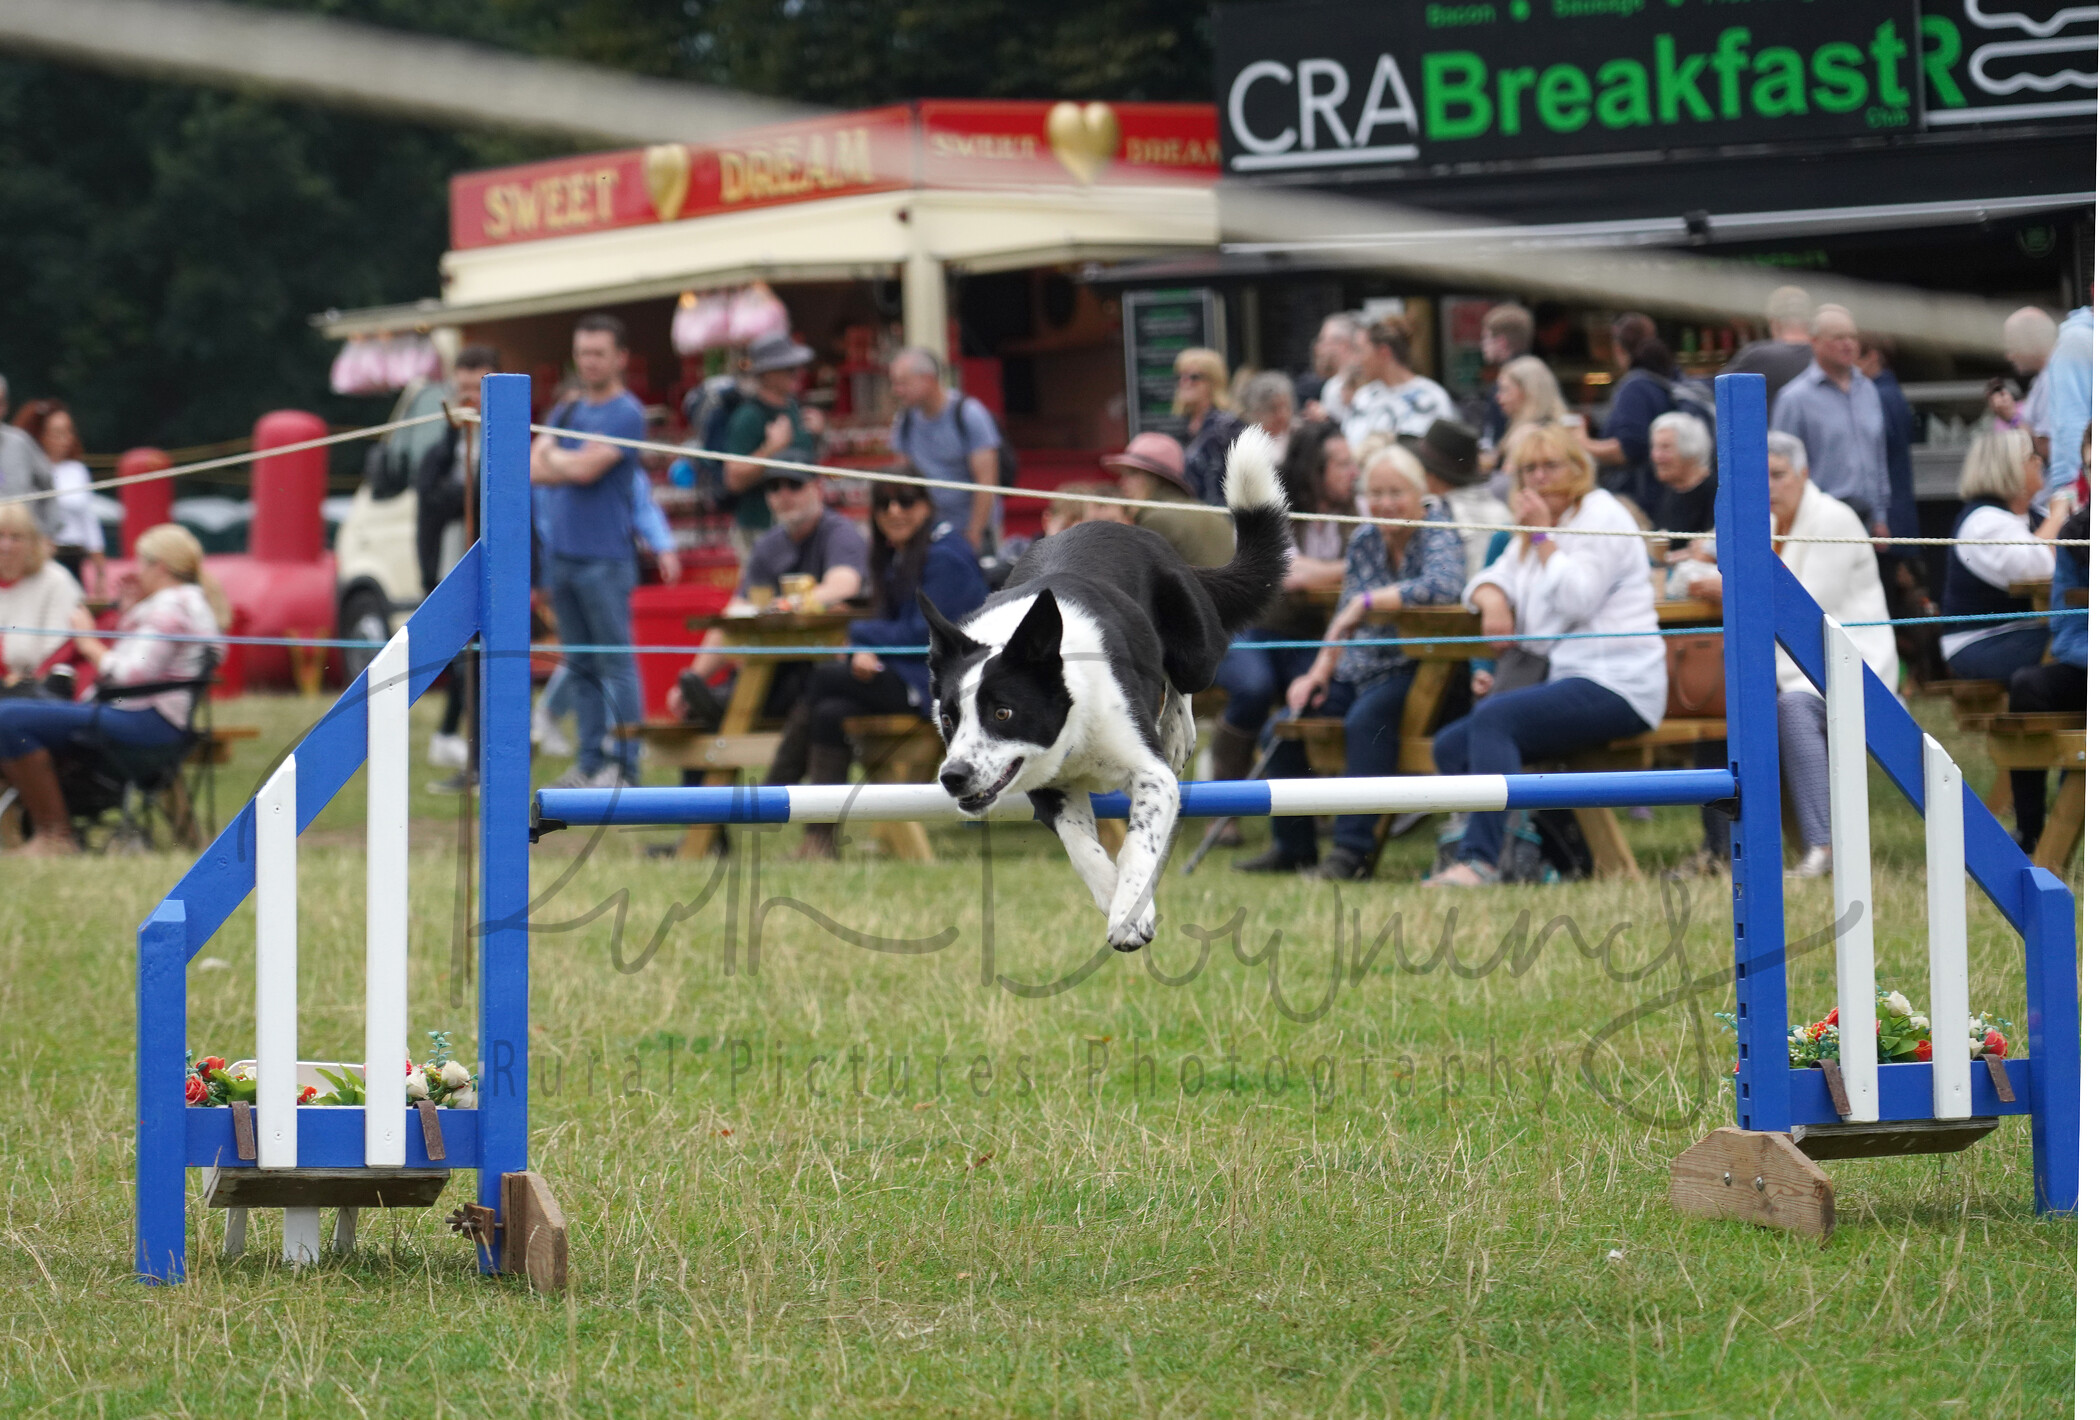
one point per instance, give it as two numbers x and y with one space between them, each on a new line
1564 98
1510 85
1887 48
1840 87
1782 84
1942 51
1678 84
1454 86
1622 101
1731 55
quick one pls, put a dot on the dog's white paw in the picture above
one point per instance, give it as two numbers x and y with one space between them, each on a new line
1136 929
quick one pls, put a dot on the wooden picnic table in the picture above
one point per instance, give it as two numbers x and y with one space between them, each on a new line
735 743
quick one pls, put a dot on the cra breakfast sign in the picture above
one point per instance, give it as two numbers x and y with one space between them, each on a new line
930 144
1343 83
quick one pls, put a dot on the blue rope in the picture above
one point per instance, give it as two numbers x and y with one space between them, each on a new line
813 652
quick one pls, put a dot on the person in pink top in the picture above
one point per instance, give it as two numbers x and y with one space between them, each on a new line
178 609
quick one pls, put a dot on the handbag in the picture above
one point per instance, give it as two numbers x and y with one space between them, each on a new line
1698 678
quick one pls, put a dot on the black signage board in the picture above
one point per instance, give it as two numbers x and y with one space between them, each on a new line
1994 62
1157 326
1338 84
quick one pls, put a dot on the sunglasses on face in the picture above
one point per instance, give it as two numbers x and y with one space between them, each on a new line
888 501
781 485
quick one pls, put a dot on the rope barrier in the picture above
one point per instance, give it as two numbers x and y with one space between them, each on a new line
1052 495
817 652
347 436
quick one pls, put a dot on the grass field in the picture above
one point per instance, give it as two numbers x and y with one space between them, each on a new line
1210 1179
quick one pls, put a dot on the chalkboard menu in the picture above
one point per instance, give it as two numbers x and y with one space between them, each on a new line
1157 326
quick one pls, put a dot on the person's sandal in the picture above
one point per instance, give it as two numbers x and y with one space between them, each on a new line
1461 875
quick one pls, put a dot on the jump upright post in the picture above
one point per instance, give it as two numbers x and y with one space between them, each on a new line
303 1158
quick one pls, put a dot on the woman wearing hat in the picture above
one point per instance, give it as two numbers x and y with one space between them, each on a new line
1450 454
1151 470
175 597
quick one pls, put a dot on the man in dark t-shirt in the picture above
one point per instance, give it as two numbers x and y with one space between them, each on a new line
1787 353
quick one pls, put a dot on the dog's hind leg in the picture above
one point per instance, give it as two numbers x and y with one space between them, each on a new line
1071 817
1177 731
1155 803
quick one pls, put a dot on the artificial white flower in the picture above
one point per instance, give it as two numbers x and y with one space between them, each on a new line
1975 1048
1899 1003
418 1087
455 1075
461 1099
1920 1023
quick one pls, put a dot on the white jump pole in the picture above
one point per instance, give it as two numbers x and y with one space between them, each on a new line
1851 868
1947 933
277 969
386 904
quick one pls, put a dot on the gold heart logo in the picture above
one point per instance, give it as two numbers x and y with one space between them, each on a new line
666 172
1085 139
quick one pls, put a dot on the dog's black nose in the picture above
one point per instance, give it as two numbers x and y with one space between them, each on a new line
955 782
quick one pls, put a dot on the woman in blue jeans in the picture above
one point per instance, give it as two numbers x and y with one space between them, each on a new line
1545 584
174 610
1386 568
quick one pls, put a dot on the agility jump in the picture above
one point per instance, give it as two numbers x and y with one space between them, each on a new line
1760 1170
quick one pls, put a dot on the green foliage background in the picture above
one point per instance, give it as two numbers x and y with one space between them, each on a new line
163 245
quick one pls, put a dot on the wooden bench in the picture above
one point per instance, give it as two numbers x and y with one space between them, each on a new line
217 746
2054 740
723 757
1670 744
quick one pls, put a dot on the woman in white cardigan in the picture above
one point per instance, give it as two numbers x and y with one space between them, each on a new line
1595 689
34 591
1846 583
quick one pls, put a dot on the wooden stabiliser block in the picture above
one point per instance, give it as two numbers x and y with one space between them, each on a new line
323 1188
535 1234
1889 1137
1753 1177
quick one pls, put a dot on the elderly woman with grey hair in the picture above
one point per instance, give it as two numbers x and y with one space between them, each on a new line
1682 450
1269 400
2000 477
1844 580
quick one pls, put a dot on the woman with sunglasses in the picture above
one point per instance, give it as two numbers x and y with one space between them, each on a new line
1202 395
913 551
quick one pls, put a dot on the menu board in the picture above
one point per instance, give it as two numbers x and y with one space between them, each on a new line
1157 326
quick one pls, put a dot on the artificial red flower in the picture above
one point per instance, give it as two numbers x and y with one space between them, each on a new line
210 1063
1993 1043
1924 1050
194 1090
1817 1029
306 1096
1832 1018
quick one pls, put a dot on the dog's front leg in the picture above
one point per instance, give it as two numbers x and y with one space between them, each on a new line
1071 817
1155 803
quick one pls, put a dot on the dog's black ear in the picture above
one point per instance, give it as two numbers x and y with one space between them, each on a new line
945 639
1040 636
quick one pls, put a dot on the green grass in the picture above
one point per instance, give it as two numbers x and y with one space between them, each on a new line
1445 1218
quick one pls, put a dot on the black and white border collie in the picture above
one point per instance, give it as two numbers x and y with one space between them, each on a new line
1076 677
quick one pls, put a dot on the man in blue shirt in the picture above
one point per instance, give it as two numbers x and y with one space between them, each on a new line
588 567
1835 410
2068 408
945 434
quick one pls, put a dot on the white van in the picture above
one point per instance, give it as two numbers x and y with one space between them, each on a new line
377 581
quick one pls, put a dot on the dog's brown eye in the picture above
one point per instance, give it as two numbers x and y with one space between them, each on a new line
1002 713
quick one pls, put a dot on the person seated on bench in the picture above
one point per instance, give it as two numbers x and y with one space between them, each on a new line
173 596
1319 476
913 551
1595 690
806 537
2058 685
34 591
1999 479
1845 580
1385 568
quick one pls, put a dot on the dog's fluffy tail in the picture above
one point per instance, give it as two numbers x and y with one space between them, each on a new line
1243 588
